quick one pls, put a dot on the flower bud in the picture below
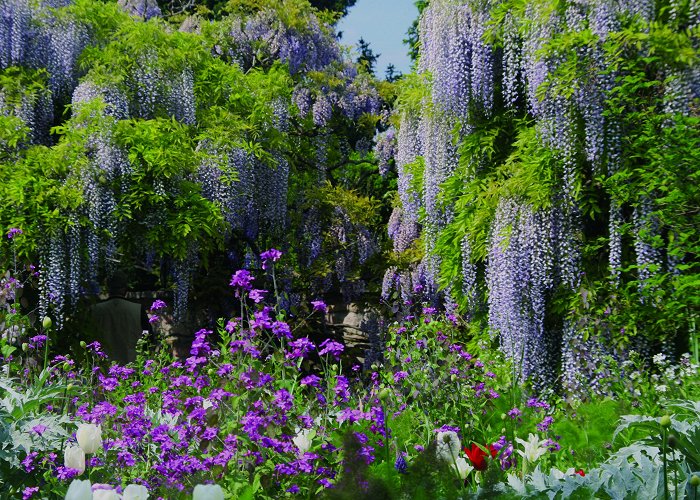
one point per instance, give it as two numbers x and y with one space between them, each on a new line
79 490
384 394
25 347
208 492
665 421
74 458
83 344
105 495
211 371
135 492
695 480
69 387
89 437
453 377
46 322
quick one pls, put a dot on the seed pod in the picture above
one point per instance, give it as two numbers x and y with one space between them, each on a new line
665 421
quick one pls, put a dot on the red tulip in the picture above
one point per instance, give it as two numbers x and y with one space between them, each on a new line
581 473
477 456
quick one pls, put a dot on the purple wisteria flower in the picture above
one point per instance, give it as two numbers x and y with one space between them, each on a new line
319 305
15 231
271 255
331 347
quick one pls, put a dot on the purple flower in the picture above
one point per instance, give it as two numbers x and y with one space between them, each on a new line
293 489
544 425
66 473
257 296
319 305
400 465
515 413
399 376
28 461
158 305
283 400
271 255
331 347
281 329
29 491
39 429
15 231
96 348
300 348
37 341
312 380
242 279
341 388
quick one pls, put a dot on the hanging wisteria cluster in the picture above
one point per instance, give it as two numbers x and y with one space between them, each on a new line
265 38
480 61
245 172
519 276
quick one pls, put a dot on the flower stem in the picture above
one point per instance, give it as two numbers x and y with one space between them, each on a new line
664 436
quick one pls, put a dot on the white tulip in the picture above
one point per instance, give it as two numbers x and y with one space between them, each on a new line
303 439
89 437
448 446
74 458
534 448
79 490
135 492
463 468
208 492
105 495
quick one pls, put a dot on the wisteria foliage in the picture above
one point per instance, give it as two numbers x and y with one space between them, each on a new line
239 94
551 66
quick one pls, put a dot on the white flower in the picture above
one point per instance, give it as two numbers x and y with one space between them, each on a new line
534 448
208 492
135 492
463 468
303 440
105 495
74 458
448 446
79 490
661 388
89 437
659 359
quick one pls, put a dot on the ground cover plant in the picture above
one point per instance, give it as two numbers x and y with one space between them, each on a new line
516 221
265 413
